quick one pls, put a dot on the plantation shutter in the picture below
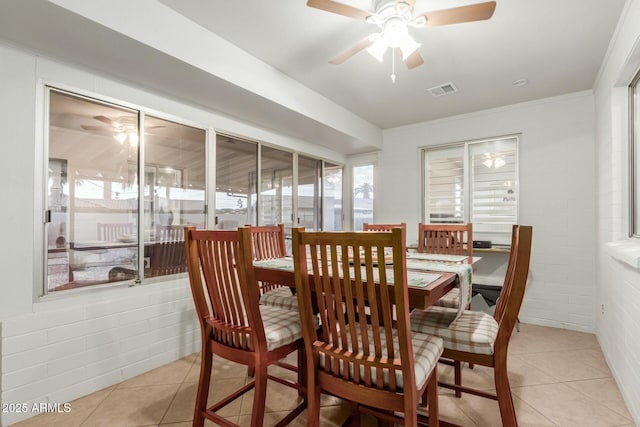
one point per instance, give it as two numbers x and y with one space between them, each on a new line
444 181
494 186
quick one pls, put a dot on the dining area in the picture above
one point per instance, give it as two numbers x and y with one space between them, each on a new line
355 315
331 335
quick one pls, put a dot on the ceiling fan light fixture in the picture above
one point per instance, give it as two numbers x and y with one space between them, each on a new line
488 163
378 49
499 163
395 32
419 22
408 46
402 7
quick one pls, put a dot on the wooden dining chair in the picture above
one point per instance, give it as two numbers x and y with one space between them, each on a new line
110 232
450 239
366 358
169 233
233 325
268 243
386 227
447 239
479 338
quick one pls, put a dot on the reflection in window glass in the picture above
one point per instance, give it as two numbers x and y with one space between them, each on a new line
309 193
362 195
92 230
175 178
494 185
276 195
332 198
236 183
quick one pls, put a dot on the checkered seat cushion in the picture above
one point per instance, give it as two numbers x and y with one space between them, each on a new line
473 332
450 300
427 349
281 326
281 298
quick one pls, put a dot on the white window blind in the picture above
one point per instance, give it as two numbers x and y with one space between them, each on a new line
444 178
493 186
474 182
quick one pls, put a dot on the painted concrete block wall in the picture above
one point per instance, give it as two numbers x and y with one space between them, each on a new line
557 196
618 284
78 345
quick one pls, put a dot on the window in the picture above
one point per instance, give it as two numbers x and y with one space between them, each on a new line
255 185
362 195
309 186
332 197
634 114
473 182
236 182
98 231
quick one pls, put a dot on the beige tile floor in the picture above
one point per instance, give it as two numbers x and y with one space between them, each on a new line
558 377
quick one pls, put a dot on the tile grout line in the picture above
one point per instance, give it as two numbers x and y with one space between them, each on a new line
113 388
177 391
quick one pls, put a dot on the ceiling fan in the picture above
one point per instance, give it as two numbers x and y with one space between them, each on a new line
123 128
394 17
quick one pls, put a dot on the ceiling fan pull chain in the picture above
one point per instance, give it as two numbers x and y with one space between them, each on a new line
393 65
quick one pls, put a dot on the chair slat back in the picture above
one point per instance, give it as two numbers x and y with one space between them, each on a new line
268 242
168 258
446 239
359 340
223 259
513 289
109 232
386 227
169 233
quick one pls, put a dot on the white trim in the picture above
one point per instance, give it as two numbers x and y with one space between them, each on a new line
626 251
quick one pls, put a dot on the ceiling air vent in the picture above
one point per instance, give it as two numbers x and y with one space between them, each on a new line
443 89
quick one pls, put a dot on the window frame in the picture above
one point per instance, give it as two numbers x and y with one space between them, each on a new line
634 153
41 276
467 176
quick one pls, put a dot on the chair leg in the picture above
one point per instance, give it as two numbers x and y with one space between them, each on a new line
259 396
313 401
503 392
457 376
432 393
302 375
206 360
251 371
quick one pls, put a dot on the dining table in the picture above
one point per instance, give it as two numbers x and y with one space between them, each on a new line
429 276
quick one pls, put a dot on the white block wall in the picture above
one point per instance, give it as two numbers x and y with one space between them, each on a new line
78 345
557 197
618 284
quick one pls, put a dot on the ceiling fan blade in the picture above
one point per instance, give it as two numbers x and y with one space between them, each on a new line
339 8
107 120
414 60
100 128
458 15
362 44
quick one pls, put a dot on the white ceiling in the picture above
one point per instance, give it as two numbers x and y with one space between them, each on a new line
174 48
558 45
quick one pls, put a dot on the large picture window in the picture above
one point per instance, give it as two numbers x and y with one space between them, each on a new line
474 182
634 92
100 227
